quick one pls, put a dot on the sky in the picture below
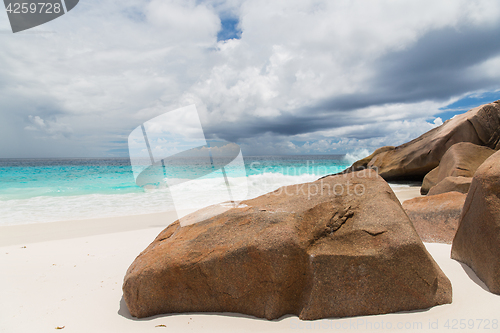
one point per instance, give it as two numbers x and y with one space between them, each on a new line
276 77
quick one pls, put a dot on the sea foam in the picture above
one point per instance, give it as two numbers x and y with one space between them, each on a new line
41 209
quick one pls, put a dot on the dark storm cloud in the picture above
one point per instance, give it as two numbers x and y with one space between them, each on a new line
285 125
434 68
437 66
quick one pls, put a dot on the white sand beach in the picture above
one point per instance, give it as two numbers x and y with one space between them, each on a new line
69 275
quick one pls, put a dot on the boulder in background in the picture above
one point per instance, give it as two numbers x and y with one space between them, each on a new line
461 160
413 160
451 184
436 217
477 241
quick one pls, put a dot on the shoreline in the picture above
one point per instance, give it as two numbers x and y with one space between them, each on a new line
67 229
47 231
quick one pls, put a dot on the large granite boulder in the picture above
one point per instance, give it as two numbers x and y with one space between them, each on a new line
451 184
477 241
340 246
436 217
413 160
461 160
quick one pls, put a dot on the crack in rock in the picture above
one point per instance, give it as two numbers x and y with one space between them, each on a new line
339 219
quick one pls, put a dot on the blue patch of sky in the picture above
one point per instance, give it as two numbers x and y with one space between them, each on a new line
135 13
229 29
468 102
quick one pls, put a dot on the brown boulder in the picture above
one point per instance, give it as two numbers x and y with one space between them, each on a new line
461 160
436 217
340 246
361 164
413 160
451 184
430 180
477 241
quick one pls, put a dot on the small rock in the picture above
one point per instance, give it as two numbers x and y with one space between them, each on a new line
430 180
451 184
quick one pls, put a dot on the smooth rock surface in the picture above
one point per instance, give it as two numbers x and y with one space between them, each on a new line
451 184
477 241
430 180
413 160
461 160
340 246
436 217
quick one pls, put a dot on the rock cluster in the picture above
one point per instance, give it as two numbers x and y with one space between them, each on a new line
343 245
459 156
413 160
340 246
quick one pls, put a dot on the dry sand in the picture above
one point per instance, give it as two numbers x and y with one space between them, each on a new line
406 193
69 274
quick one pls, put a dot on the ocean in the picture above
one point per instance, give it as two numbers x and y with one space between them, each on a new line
49 190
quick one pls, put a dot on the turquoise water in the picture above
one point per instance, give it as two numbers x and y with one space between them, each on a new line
44 190
27 178
319 165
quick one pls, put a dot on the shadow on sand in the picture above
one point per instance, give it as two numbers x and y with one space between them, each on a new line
124 312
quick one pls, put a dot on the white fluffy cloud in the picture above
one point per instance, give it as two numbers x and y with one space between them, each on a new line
305 77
